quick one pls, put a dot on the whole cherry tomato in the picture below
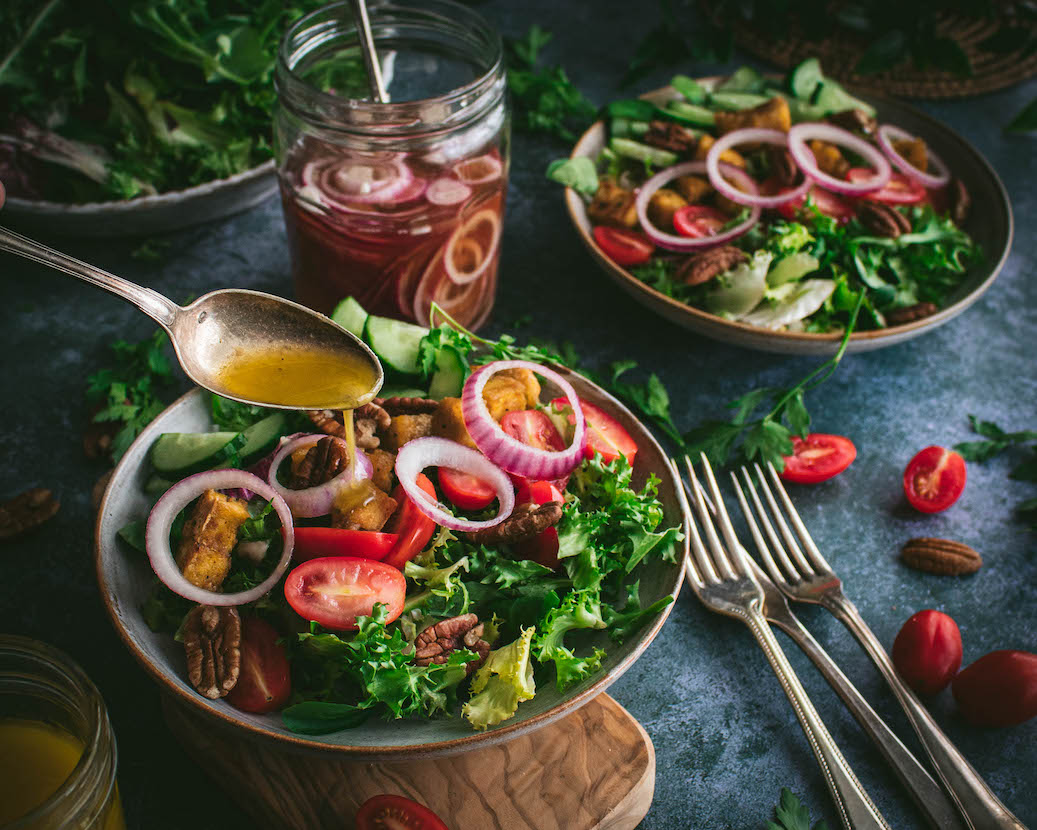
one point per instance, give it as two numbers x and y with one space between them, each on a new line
999 689
934 479
927 651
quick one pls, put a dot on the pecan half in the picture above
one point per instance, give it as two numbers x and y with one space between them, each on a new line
940 556
373 411
322 462
436 642
367 421
961 202
783 167
26 511
882 220
854 120
671 136
408 406
212 642
705 265
525 522
899 316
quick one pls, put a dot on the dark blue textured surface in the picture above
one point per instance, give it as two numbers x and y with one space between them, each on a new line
725 737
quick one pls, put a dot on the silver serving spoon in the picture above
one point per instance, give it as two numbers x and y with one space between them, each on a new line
374 67
221 326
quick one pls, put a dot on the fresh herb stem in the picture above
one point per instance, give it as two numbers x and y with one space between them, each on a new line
30 32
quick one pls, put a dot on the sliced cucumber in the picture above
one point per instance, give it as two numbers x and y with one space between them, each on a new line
831 97
391 391
744 79
690 114
626 128
801 111
639 152
636 109
262 434
175 452
736 100
351 316
395 342
804 79
156 485
449 376
691 89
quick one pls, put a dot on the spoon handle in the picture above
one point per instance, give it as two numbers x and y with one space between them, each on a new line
161 309
374 69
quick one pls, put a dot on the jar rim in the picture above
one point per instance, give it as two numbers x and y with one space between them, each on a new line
392 119
64 670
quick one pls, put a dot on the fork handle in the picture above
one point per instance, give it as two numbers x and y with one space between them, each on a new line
933 802
856 809
976 801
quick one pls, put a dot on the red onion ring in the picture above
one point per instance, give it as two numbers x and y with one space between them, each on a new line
461 233
181 494
888 133
446 192
420 453
508 453
314 501
685 243
493 172
804 157
331 178
744 136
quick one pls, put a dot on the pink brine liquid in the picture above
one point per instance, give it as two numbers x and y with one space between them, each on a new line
396 231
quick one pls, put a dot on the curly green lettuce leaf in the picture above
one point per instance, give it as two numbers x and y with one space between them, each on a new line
503 681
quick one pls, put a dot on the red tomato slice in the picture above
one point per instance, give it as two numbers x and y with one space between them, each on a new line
934 479
533 427
315 542
899 190
542 548
827 202
335 590
413 527
465 490
697 221
818 457
605 435
394 812
264 682
624 247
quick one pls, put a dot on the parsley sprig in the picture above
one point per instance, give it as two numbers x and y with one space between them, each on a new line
790 814
996 442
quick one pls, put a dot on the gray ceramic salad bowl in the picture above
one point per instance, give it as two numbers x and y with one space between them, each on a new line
125 577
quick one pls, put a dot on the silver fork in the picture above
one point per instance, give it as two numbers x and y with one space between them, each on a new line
805 575
722 580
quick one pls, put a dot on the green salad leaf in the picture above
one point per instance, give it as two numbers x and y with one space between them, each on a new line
502 683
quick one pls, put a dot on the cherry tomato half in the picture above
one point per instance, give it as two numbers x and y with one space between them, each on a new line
697 221
335 590
605 435
533 427
927 651
934 479
315 542
899 190
413 527
394 812
465 490
818 457
624 247
543 547
264 681
999 689
824 200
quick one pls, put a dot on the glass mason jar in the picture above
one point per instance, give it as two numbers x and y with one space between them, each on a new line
396 204
57 749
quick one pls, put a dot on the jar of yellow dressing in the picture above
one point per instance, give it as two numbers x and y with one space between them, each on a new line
57 748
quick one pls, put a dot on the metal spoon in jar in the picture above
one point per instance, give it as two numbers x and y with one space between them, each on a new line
371 62
246 345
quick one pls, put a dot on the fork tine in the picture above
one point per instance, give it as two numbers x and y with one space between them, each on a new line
801 529
735 550
801 567
719 555
693 568
754 530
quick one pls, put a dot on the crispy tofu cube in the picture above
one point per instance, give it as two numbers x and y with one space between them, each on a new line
504 394
447 422
772 115
914 151
730 156
693 188
829 158
613 205
406 428
368 512
384 464
662 207
209 535
528 379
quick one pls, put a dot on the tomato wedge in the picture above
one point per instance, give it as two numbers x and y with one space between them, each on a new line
465 490
543 547
335 590
605 435
265 681
827 202
899 190
697 221
315 542
934 479
394 812
818 457
624 247
412 527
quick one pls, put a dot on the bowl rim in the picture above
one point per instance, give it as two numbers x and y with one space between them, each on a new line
382 753
574 204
